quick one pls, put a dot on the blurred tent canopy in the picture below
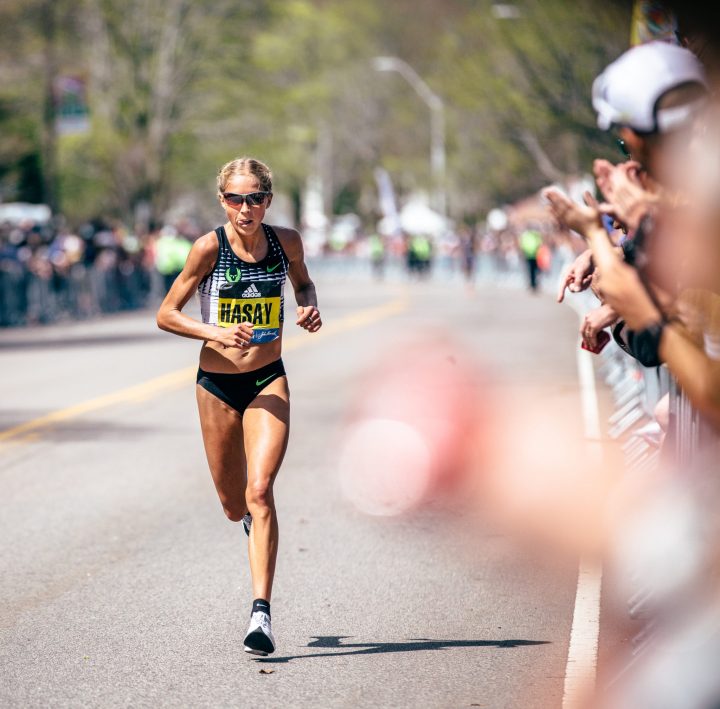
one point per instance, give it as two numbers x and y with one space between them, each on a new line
415 218
17 212
175 88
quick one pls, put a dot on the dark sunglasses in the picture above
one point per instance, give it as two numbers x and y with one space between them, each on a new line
623 148
253 199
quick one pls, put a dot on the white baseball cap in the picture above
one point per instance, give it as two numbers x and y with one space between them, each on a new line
628 91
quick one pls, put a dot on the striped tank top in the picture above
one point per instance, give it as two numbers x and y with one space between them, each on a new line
237 291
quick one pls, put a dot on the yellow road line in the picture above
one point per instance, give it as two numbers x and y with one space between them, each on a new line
351 322
182 377
136 393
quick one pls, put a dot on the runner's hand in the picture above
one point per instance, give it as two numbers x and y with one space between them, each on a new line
235 336
309 318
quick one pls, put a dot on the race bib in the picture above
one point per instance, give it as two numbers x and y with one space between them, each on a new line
254 305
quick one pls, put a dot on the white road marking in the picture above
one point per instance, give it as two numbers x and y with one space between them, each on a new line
581 667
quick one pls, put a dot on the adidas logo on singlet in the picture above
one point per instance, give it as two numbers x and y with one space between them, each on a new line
252 292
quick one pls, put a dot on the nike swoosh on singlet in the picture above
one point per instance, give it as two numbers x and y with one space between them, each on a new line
260 382
270 269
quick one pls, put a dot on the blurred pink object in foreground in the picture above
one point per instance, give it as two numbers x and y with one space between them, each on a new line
412 430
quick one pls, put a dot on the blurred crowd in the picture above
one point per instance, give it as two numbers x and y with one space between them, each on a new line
534 250
652 262
50 273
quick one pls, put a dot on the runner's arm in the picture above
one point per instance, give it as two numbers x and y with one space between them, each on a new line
305 295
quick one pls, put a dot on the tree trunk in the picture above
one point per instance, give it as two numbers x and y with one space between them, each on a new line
49 137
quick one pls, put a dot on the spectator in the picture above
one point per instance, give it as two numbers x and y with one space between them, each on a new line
653 123
662 279
376 244
47 272
468 252
171 252
530 242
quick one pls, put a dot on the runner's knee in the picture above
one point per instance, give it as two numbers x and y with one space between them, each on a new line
234 512
259 497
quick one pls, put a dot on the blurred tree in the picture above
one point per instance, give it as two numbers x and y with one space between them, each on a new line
313 69
520 88
178 87
147 59
21 175
34 36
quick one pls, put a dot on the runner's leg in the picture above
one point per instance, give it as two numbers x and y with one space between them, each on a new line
222 432
266 424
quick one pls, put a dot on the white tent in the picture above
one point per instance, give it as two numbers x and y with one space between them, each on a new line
16 212
417 218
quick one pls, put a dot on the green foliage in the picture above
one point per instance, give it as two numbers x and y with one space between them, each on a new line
179 87
20 170
528 79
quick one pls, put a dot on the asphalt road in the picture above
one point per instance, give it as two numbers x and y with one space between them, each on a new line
123 585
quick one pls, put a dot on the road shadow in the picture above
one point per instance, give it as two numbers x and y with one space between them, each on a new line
334 643
33 342
74 430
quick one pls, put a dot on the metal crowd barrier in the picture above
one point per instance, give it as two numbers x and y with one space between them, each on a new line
27 298
636 391
694 436
684 462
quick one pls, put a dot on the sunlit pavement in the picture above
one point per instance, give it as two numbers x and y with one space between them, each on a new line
125 585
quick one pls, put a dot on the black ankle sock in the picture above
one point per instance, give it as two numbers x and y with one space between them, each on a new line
260 604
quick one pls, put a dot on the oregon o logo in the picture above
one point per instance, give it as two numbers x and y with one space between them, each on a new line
232 275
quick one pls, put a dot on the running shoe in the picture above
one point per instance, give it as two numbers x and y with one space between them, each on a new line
259 639
247 522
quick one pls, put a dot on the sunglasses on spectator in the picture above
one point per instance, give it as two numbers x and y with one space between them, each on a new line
253 199
623 148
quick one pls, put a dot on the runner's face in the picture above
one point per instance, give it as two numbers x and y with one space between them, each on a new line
245 219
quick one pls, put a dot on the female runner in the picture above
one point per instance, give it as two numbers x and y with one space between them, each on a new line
239 272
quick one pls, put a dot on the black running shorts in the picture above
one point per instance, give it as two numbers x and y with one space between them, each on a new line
239 390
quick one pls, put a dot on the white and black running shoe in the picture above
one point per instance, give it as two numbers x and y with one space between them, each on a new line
259 639
247 523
